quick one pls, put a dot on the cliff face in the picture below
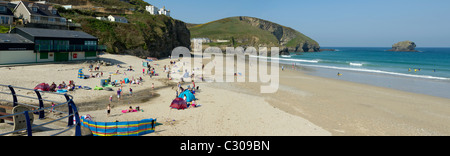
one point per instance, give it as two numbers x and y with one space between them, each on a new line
289 39
249 31
145 35
407 46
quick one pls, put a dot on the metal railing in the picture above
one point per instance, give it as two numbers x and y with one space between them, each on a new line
68 48
71 114
46 21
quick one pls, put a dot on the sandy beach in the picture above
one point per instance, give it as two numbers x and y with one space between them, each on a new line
303 105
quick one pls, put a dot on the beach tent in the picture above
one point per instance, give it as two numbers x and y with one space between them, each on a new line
186 75
189 96
42 87
178 103
80 74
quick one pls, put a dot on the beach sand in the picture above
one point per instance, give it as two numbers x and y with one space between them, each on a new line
303 105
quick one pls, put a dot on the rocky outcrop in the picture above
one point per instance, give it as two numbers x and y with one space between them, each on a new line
289 39
152 37
407 46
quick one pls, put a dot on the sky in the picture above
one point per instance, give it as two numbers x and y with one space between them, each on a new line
333 23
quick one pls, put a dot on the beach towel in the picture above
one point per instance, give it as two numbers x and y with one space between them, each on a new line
62 91
126 111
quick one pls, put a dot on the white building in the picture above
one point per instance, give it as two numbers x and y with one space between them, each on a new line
102 18
119 19
155 11
152 9
163 11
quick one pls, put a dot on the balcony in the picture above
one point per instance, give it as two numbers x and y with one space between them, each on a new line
68 48
45 21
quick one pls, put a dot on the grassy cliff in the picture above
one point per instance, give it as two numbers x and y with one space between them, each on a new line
249 31
144 35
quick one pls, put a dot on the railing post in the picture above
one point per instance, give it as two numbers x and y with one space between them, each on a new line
70 122
13 93
29 130
41 104
77 118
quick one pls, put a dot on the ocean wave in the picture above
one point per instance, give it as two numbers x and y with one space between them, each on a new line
356 64
379 71
288 60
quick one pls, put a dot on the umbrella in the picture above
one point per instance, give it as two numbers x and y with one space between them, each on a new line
178 103
42 87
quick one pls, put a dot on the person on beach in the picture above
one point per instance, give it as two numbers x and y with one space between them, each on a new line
110 99
130 109
153 86
131 92
118 94
108 109
53 107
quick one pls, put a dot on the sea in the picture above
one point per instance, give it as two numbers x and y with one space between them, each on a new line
424 72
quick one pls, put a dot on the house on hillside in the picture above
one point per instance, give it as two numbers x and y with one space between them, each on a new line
155 11
6 15
163 11
34 45
152 9
38 13
119 19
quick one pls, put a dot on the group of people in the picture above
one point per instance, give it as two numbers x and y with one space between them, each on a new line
63 85
92 66
119 94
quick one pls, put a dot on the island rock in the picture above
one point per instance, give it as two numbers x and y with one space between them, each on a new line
407 46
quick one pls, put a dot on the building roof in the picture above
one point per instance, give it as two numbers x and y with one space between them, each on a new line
13 38
7 9
43 9
56 33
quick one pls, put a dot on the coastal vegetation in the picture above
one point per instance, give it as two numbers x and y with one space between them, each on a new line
144 35
250 31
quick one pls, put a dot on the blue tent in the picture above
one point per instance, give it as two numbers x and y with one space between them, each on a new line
80 74
189 96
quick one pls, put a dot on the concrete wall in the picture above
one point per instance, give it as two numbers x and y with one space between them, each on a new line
11 57
28 56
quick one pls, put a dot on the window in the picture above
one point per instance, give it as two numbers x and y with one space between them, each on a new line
4 20
34 9
35 18
62 20
54 12
90 42
2 9
51 20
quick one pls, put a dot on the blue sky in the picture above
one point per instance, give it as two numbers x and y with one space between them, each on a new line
354 23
